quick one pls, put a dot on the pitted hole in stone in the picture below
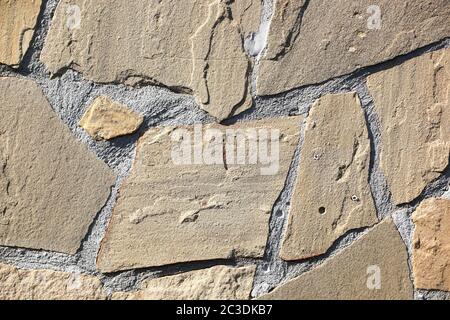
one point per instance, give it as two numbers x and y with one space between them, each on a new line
355 198
322 210
279 213
316 157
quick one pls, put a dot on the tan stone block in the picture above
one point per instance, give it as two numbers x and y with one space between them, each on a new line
333 38
51 186
16 284
172 211
216 283
431 245
189 46
106 119
17 21
374 267
332 193
412 101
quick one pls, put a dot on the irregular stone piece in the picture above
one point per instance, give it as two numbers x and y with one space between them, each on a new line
374 267
312 41
216 283
18 284
17 22
213 204
332 193
106 119
190 46
431 245
412 101
51 186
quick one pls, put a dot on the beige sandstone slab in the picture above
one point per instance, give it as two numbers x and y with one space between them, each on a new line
216 283
412 101
16 284
51 186
187 45
374 267
431 245
333 38
332 193
17 22
170 212
106 119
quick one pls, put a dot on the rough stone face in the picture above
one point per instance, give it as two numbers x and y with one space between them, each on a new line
374 267
190 45
171 212
216 283
312 41
332 194
17 22
18 284
412 101
106 119
431 245
51 186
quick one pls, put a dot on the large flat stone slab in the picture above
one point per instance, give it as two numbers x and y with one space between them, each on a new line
169 212
412 101
190 46
106 119
51 186
374 267
216 283
332 194
313 41
17 23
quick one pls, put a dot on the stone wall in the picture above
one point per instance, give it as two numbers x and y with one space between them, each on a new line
224 149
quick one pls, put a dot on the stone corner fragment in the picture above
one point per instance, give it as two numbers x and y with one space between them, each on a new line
51 186
332 194
210 205
431 245
106 119
18 284
201 50
374 267
412 101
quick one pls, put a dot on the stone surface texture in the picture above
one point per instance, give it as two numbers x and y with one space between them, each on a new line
17 22
189 46
332 193
312 41
17 284
374 267
171 213
51 186
106 119
431 245
224 149
412 101
216 283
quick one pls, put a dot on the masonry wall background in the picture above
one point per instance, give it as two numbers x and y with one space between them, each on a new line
347 96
